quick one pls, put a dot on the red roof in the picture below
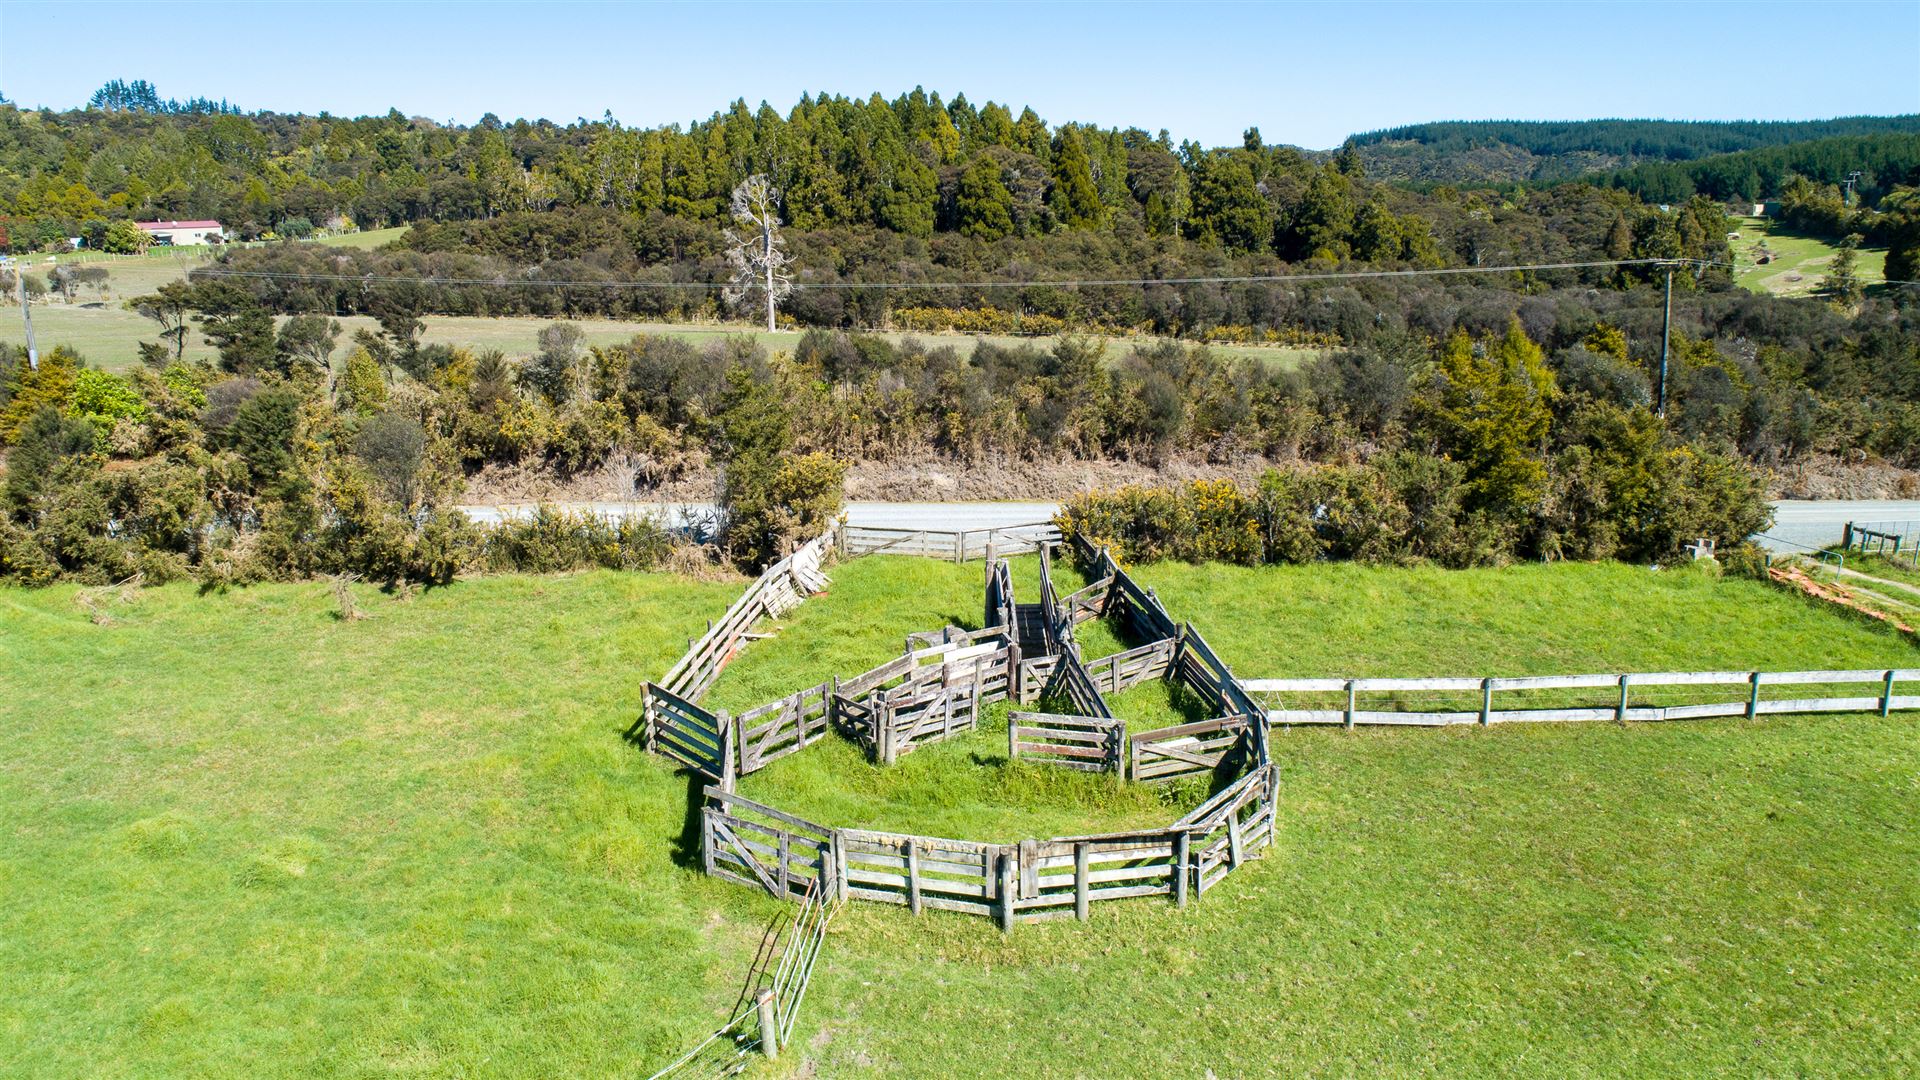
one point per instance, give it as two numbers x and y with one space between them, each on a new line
152 226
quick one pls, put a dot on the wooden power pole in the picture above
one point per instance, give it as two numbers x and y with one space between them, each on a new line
1666 340
26 315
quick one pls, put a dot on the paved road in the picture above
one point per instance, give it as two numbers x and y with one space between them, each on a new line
949 515
1801 524
1798 524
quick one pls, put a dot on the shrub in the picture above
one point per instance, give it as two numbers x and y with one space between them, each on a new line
104 400
553 540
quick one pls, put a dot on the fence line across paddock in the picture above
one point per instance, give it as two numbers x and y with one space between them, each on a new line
1344 701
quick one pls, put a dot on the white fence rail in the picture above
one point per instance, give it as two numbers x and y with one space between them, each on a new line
1348 708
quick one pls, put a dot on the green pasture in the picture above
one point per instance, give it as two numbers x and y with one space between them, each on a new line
1797 263
241 837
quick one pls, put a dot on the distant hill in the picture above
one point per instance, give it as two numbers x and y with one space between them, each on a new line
1509 151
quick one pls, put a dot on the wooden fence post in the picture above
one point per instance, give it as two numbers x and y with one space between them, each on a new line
1006 891
1486 700
837 851
1180 841
1080 881
769 1024
729 750
1753 695
1349 723
913 877
1886 695
1620 712
706 839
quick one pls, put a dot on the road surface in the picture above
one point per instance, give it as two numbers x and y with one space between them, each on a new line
1798 524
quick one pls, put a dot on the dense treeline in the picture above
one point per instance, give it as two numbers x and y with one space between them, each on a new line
1884 162
915 167
1460 424
625 267
1460 419
1672 140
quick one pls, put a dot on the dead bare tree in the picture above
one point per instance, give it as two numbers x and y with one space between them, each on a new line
758 254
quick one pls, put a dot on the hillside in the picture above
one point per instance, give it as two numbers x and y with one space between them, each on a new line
408 853
1499 152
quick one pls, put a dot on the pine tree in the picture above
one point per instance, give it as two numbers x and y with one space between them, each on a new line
982 204
1075 200
1842 283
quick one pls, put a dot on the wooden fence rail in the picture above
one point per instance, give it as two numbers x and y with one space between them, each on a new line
777 590
921 872
1203 669
1064 876
778 728
1186 749
1131 667
1232 825
1070 682
1088 743
1619 705
1000 607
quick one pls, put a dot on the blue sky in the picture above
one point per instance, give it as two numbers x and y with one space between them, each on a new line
1304 73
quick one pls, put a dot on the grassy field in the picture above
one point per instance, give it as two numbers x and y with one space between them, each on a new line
97 323
240 837
1799 262
108 335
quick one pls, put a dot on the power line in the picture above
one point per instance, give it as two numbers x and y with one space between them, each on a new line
1249 279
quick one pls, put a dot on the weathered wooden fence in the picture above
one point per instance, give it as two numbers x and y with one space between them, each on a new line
936 690
930 717
1088 743
787 726
1197 665
921 872
1231 826
1063 876
776 591
745 841
700 740
1186 749
1131 667
1347 707
1070 682
958 545
1001 610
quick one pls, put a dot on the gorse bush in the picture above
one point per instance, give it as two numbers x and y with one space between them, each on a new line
1407 507
552 540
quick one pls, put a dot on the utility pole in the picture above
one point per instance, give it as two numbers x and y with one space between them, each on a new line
26 316
1666 339
1847 184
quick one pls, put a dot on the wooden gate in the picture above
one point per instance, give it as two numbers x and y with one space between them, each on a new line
1088 743
1187 749
687 733
743 841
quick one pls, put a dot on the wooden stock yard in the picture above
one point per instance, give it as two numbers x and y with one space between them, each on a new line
935 690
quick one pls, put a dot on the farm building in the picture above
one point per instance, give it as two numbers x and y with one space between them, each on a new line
174 233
